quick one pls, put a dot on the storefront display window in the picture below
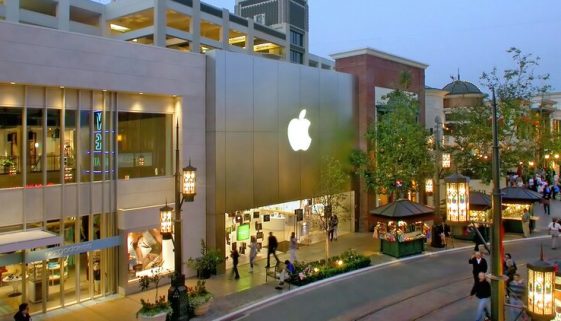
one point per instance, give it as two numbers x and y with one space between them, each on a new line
69 148
144 142
85 146
53 146
148 253
34 147
11 139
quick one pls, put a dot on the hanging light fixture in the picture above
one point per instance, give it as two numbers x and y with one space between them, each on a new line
457 198
429 187
541 281
166 221
446 160
189 182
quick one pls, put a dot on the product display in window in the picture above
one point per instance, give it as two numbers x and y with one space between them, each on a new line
147 253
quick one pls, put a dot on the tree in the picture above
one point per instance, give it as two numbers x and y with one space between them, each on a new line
333 181
524 132
398 158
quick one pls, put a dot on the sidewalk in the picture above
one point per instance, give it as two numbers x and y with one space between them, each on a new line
231 294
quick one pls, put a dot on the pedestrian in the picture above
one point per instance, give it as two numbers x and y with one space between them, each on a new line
293 247
252 253
479 265
531 184
272 249
482 290
509 270
330 228
526 223
235 260
555 191
285 274
554 229
23 313
335 225
546 199
516 292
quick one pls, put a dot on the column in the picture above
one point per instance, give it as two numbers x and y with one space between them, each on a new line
12 10
63 15
225 34
160 23
250 36
196 27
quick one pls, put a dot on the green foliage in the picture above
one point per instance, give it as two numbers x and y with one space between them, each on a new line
160 304
398 149
6 162
317 270
207 262
524 133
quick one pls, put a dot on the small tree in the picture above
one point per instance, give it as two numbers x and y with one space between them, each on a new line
398 157
333 181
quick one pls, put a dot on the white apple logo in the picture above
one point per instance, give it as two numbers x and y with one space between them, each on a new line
298 135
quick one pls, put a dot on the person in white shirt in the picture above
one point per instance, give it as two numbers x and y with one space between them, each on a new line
554 229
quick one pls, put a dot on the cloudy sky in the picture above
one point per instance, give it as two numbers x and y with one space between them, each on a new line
469 35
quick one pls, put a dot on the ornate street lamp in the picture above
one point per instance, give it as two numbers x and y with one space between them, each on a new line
166 221
457 198
446 160
541 281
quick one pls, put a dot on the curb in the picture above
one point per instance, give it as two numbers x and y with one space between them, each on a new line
241 312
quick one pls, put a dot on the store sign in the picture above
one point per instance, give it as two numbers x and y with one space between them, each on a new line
243 232
67 250
298 135
98 138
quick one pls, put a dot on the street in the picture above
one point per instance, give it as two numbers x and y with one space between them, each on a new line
427 288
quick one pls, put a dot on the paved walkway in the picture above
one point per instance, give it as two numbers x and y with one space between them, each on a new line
231 294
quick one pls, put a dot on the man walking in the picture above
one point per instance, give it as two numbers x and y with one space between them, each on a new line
293 247
546 199
479 265
235 260
482 290
272 249
554 227
526 224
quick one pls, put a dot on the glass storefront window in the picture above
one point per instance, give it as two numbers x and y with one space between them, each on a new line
34 147
85 146
53 146
10 288
148 253
69 149
144 142
11 139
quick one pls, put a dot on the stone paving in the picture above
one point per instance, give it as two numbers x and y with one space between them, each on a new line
232 294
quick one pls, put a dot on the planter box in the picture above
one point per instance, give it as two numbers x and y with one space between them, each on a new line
158 317
401 249
515 225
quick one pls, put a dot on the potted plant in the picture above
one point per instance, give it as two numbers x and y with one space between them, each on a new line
206 264
7 164
156 311
199 299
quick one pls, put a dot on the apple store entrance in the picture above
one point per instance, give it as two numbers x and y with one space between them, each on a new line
306 218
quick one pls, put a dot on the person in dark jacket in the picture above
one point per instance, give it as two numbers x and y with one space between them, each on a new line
479 265
482 290
23 313
235 259
272 249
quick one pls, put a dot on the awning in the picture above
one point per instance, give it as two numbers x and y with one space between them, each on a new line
402 208
11 242
519 194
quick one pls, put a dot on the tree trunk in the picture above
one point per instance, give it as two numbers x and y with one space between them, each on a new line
327 246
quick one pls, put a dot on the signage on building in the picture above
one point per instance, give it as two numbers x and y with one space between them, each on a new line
67 250
243 232
298 135
98 138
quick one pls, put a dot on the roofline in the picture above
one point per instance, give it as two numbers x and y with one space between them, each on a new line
380 54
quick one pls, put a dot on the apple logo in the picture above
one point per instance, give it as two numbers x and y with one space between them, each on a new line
298 135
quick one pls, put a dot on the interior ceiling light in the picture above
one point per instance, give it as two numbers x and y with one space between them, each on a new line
118 28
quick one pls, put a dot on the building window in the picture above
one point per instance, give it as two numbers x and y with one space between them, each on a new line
296 57
259 18
34 147
556 126
11 143
148 253
296 38
144 144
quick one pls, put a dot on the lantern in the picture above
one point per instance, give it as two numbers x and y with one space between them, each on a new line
547 156
429 185
457 198
189 182
531 163
446 160
166 221
541 281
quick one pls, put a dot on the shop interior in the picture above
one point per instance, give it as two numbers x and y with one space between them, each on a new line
303 217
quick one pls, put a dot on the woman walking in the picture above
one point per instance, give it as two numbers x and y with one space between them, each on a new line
252 252
293 247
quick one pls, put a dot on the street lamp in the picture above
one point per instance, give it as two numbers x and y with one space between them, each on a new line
166 221
541 281
177 293
429 185
457 198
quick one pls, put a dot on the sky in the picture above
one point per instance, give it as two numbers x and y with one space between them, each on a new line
469 35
